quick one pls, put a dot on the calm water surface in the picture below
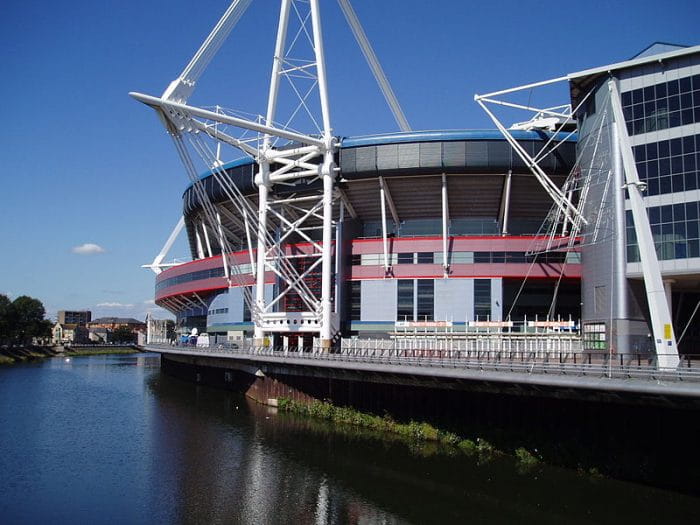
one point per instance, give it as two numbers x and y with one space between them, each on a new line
108 439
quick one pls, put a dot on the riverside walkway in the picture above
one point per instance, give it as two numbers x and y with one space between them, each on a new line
561 369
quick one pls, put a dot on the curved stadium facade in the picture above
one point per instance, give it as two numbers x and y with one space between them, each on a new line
461 211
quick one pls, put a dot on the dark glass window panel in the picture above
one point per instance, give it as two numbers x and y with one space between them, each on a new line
482 298
482 257
663 148
679 230
696 98
637 96
638 111
696 113
661 90
654 215
667 229
677 183
515 257
630 128
685 84
672 87
246 313
404 301
425 257
638 127
425 300
627 113
676 146
626 98
649 93
642 170
674 103
404 258
640 153
686 100
665 185
677 164
690 181
691 210
693 248
650 124
632 254
653 169
498 257
689 144
681 250
692 229
355 300
667 213
696 81
678 212
652 186
656 229
664 167
652 151
649 108
356 259
686 117
674 119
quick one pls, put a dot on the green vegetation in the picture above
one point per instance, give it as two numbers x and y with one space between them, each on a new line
413 431
101 351
22 320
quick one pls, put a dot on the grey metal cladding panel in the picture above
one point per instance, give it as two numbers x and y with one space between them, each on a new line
366 159
378 300
499 155
454 299
430 154
387 157
477 154
409 155
454 154
347 160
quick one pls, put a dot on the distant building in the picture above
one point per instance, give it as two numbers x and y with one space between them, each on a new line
99 335
74 316
63 333
112 323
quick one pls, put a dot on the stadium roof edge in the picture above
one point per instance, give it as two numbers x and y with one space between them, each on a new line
415 136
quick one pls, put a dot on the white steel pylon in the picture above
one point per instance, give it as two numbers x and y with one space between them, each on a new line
285 158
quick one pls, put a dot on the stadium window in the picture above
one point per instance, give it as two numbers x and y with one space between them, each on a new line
405 258
482 298
404 300
425 301
424 258
355 300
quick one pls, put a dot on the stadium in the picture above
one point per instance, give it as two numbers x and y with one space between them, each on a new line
582 218
410 185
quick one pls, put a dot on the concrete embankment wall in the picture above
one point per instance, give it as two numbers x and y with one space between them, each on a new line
652 443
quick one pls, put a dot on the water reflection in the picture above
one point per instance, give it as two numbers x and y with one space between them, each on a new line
111 439
241 462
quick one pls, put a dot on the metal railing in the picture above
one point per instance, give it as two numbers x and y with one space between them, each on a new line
573 363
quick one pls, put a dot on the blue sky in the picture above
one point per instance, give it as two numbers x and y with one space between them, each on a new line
81 162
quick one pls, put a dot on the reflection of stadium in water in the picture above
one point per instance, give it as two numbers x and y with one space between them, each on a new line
227 459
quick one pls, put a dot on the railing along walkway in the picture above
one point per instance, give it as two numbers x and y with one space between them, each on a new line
587 364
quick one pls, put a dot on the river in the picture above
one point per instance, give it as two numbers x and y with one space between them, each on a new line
109 439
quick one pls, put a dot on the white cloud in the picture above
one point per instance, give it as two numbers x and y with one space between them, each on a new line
149 301
114 305
88 249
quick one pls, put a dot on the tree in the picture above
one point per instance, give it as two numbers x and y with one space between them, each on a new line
123 334
26 319
5 306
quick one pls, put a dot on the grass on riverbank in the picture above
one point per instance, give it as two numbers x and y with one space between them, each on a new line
101 351
413 431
